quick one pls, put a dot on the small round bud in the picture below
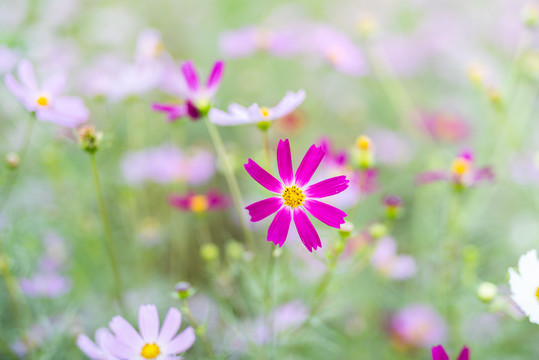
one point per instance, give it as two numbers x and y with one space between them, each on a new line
393 206
476 73
530 15
209 252
378 230
89 138
367 24
183 289
264 125
277 252
234 250
346 229
487 292
13 160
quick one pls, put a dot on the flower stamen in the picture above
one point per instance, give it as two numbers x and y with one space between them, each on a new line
42 101
150 351
537 294
198 204
293 196
264 111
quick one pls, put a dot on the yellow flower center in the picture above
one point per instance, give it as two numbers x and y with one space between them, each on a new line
42 101
293 196
537 294
199 203
334 55
363 142
150 351
460 166
264 111
158 48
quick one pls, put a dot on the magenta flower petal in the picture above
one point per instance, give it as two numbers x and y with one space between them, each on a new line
192 110
483 174
171 325
284 162
464 354
190 75
181 342
215 77
263 177
307 233
279 227
309 164
328 187
264 208
431 176
148 322
438 353
327 214
173 111
26 75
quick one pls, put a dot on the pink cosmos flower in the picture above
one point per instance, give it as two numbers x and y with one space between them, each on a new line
438 353
386 261
240 115
166 164
296 197
200 203
338 50
418 326
98 350
46 101
151 343
445 127
198 97
47 284
246 41
462 173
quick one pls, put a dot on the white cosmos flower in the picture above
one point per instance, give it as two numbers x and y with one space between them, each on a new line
525 286
241 115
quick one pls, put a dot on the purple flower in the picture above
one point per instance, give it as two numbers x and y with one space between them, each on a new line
200 203
296 197
385 260
246 41
198 96
151 343
240 115
46 101
166 163
462 173
46 284
438 353
418 326
8 59
98 350
445 127
337 49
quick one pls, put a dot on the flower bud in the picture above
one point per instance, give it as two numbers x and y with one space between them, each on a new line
183 289
393 206
346 229
234 250
378 230
13 160
530 15
476 73
487 292
364 154
89 138
209 252
367 24
495 97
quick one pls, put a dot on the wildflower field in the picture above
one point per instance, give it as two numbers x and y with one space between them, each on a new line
235 179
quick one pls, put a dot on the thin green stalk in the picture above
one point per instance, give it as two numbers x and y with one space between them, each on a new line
6 350
231 180
109 243
267 152
27 137
268 293
13 293
199 330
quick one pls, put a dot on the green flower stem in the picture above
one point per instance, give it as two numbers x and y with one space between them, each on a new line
6 350
27 137
267 151
14 293
199 329
109 243
231 180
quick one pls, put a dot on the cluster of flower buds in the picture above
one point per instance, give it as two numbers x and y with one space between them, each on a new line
89 138
363 153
